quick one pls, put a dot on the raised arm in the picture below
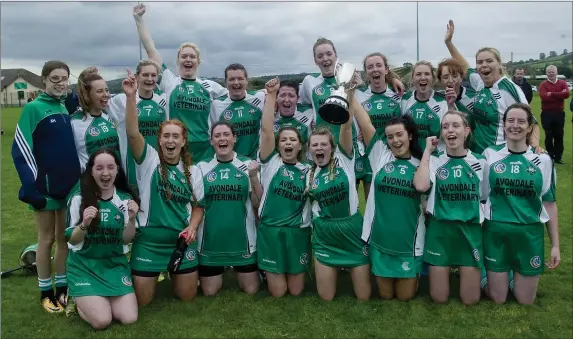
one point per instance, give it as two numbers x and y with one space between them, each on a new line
422 176
368 130
456 55
145 35
345 140
268 121
134 137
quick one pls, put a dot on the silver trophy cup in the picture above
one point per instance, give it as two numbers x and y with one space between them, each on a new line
335 108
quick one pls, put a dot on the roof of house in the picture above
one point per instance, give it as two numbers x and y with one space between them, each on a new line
8 76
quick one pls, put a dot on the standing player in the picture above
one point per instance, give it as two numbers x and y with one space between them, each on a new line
337 223
189 97
393 221
169 187
495 92
151 109
426 106
242 109
316 88
101 218
520 190
291 113
453 238
283 235
381 103
47 163
227 236
93 129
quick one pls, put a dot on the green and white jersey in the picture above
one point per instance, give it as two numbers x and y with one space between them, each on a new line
517 184
333 193
393 219
301 120
151 113
426 114
228 226
106 242
284 202
465 100
314 91
474 80
487 112
190 102
166 205
245 115
381 107
92 133
456 187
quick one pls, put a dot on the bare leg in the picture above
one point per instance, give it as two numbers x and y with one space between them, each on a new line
525 288
124 308
470 291
385 287
497 286
361 281
277 284
185 285
211 285
295 283
144 289
440 284
325 280
406 288
95 310
249 282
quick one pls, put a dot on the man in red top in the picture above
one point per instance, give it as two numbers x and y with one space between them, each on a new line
553 93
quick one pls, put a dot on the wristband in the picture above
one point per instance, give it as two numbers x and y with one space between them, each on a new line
83 227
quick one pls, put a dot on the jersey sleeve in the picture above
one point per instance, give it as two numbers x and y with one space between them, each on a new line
200 192
24 160
116 109
303 92
197 184
148 162
474 79
549 178
378 152
345 161
73 219
268 168
214 88
168 80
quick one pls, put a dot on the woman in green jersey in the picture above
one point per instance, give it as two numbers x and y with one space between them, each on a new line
381 103
93 128
424 104
283 235
394 220
227 236
495 92
337 223
101 219
454 236
189 97
151 108
520 190
169 187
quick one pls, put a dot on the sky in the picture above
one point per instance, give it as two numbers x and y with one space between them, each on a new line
274 37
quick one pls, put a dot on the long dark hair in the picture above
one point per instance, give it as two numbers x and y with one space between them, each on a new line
90 191
412 130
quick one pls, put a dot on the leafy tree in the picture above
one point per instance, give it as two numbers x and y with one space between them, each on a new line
552 54
542 56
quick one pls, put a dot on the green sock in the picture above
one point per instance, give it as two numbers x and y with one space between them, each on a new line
61 280
483 282
511 280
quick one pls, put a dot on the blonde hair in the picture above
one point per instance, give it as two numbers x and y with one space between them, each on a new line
497 57
422 63
147 62
192 45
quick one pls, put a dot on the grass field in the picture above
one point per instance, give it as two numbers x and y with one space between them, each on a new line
234 314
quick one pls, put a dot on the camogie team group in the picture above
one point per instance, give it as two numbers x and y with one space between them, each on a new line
258 182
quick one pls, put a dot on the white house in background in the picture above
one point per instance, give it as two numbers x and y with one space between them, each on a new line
18 85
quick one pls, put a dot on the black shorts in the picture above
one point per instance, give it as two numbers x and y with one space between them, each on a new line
156 274
211 271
